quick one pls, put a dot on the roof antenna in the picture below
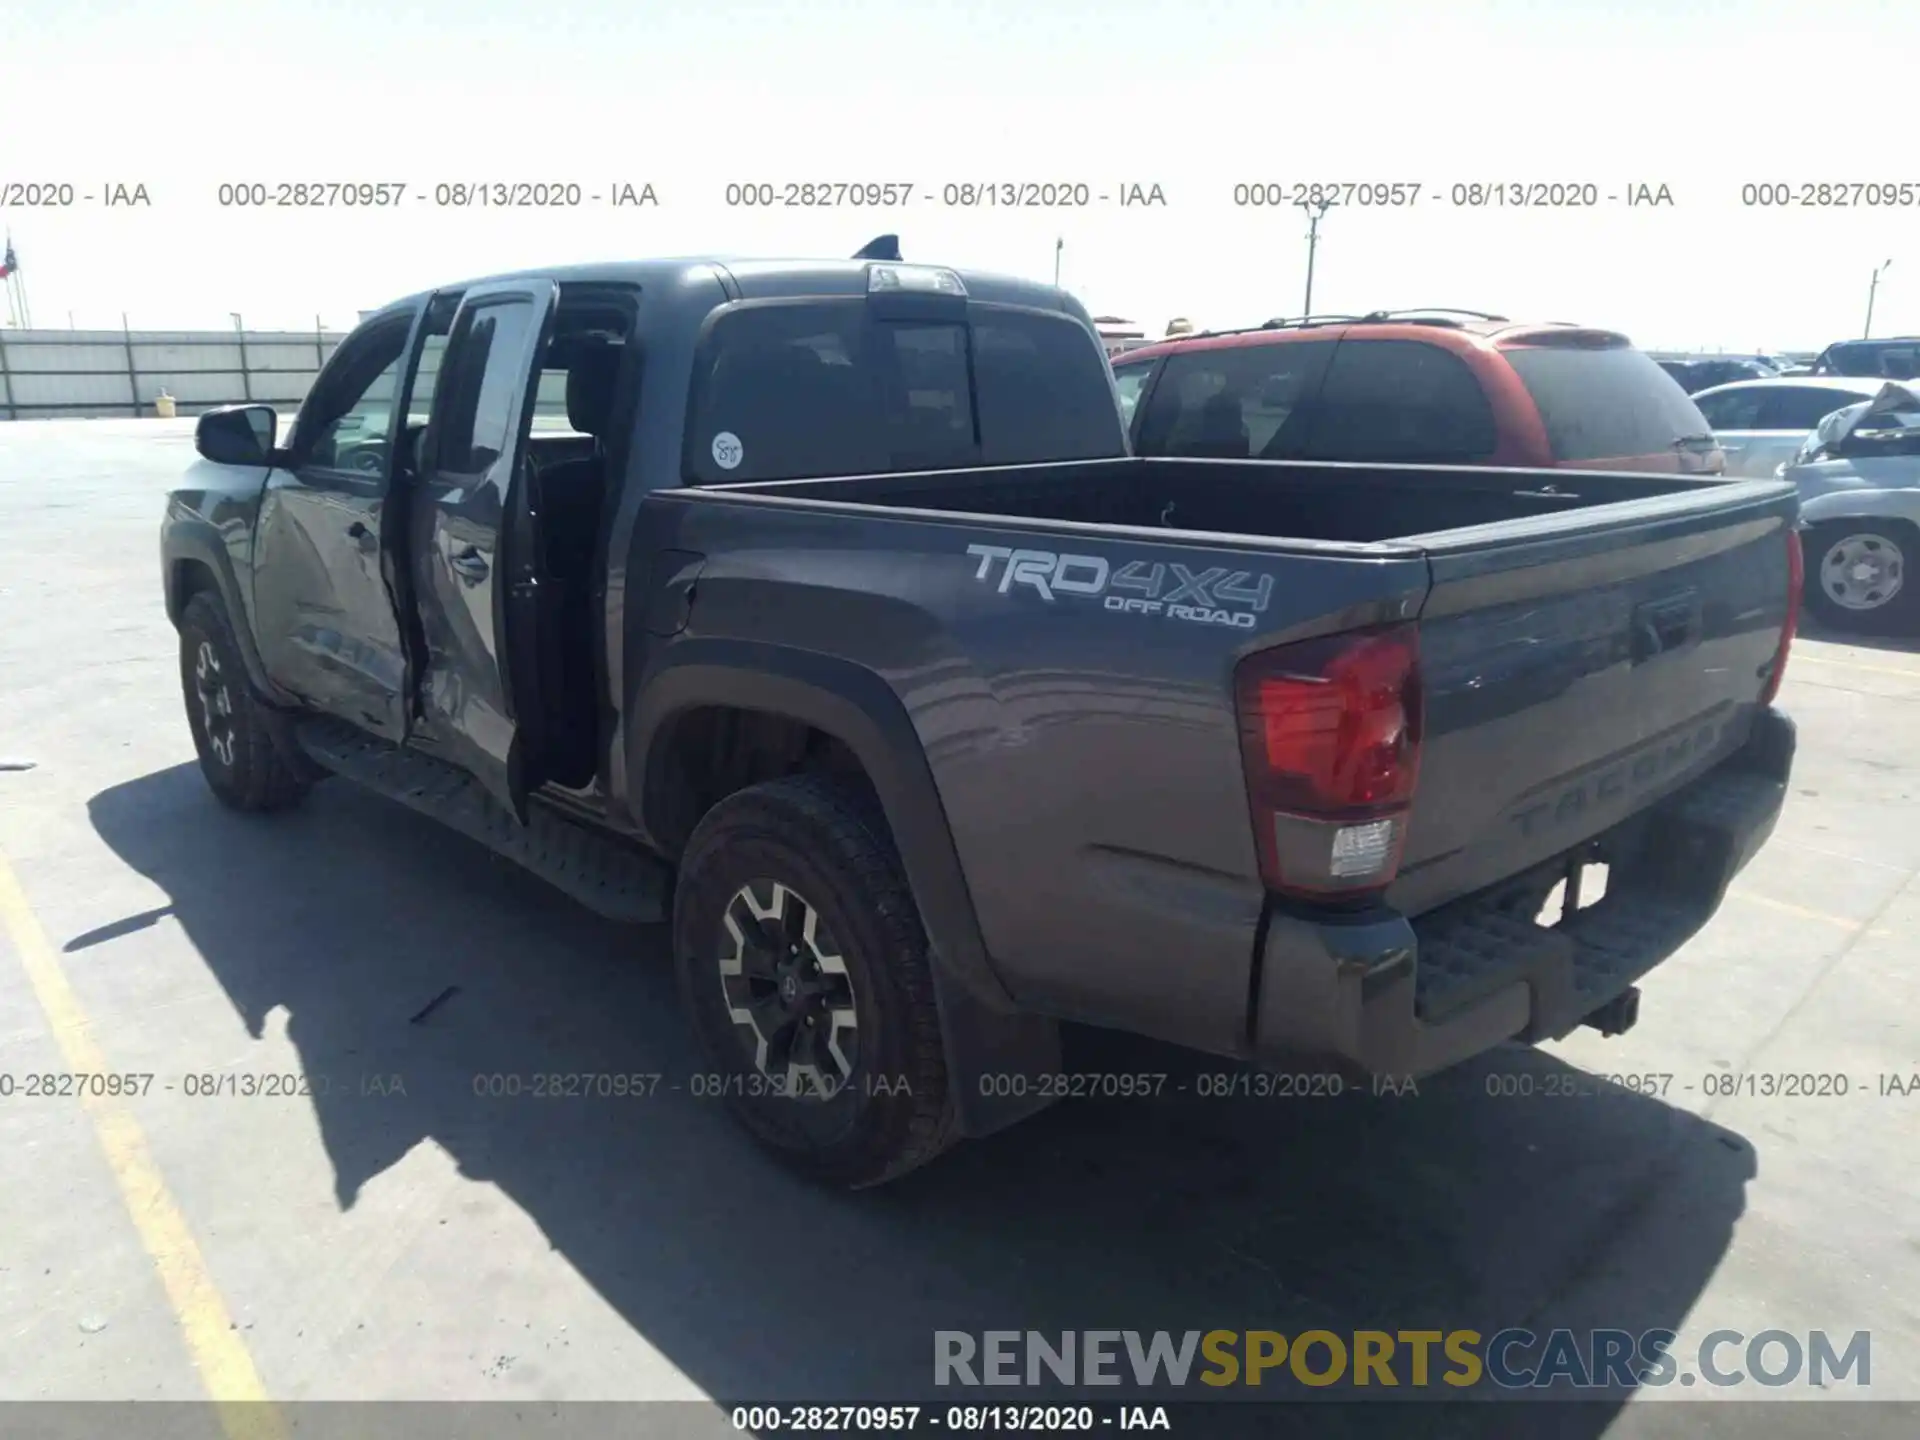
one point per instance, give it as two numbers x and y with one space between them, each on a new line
881 247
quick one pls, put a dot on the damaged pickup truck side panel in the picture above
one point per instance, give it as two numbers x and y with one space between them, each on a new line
818 609
209 546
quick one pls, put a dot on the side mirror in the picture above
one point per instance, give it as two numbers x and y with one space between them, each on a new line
237 434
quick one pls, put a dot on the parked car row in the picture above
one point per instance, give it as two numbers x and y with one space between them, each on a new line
1850 444
1695 374
1468 388
1858 475
1421 386
1895 358
1761 424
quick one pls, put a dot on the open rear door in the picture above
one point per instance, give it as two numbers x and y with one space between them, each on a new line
476 551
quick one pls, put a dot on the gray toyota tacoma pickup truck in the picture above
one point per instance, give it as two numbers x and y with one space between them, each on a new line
836 626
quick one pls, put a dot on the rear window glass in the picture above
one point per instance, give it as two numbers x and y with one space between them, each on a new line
1605 404
791 392
1235 402
1400 400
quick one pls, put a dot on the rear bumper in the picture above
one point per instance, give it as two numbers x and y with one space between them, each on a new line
1388 996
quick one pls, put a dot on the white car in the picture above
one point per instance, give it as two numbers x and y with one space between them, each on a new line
1761 424
1859 480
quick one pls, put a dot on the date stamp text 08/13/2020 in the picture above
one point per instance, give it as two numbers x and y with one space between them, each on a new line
1226 1085
1484 195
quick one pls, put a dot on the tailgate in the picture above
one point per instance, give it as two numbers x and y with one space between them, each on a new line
1580 666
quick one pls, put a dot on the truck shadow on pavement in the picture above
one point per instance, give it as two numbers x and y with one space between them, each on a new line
1812 629
1445 1210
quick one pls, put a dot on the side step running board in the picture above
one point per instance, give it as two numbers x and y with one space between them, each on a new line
607 877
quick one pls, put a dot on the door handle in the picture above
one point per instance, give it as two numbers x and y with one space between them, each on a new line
470 565
1663 626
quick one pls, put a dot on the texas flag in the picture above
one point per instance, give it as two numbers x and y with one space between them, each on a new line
11 262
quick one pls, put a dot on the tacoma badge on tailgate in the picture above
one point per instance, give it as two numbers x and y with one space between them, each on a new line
1658 760
1140 587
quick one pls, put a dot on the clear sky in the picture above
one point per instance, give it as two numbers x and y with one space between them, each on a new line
1701 96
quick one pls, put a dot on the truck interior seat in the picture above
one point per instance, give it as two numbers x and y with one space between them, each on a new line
571 490
570 494
1223 430
1290 440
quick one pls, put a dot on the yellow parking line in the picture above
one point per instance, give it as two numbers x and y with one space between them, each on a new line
226 1369
1787 908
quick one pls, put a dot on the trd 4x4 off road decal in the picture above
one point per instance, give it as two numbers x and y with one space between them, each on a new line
1213 596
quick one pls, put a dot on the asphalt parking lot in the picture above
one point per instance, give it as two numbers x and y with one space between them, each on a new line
393 1235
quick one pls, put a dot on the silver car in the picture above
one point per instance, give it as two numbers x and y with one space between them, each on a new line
1859 480
1760 424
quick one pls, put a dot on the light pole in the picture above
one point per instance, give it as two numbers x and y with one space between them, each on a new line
240 333
1315 210
1058 246
1867 332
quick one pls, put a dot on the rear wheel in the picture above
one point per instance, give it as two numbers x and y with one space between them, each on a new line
803 967
1857 576
230 727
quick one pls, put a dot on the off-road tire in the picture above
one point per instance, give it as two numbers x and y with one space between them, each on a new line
826 845
1898 616
243 768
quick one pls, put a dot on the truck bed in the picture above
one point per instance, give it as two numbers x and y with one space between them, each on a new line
1279 499
1589 644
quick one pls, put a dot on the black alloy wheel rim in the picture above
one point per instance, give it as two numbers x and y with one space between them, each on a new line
216 703
786 989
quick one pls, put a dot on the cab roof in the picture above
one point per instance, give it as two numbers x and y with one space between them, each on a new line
755 278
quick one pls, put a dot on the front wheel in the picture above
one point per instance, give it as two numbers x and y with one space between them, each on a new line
1857 576
804 971
230 727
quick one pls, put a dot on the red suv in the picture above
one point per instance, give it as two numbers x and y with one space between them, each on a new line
1418 386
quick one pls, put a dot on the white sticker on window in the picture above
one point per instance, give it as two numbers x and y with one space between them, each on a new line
728 451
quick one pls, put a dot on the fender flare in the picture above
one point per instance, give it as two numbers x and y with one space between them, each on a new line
191 541
983 1029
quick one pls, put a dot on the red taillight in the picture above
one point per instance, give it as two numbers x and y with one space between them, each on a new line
1330 737
1796 581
